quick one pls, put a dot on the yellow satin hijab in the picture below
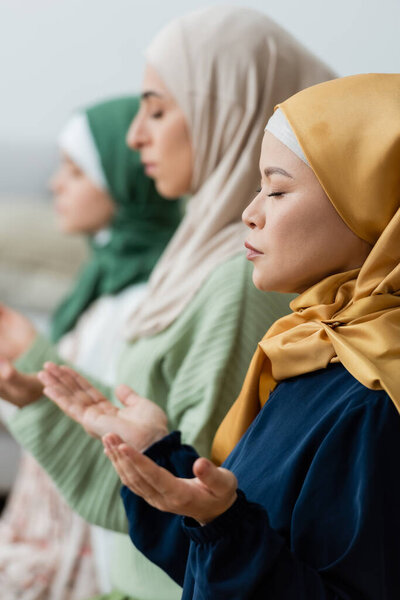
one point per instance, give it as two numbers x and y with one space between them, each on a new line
349 130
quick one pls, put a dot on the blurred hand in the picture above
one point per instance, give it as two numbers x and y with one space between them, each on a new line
17 388
16 333
140 423
209 494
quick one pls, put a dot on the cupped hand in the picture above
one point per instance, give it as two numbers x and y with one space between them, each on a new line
17 388
140 423
16 333
206 496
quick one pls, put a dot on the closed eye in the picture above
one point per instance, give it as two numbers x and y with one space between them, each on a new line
275 194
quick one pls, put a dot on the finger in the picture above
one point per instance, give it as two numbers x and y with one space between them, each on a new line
125 468
133 479
111 439
62 401
153 483
126 395
217 480
74 382
159 479
111 442
126 457
83 383
109 451
48 379
54 372
57 387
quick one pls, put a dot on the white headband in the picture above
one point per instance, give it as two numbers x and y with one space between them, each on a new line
279 126
76 141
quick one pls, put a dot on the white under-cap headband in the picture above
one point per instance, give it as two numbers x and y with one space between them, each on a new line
76 141
279 126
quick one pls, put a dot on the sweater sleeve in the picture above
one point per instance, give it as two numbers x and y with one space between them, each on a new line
165 542
345 530
74 460
221 339
202 369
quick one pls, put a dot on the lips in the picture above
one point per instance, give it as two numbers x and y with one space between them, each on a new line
251 251
149 167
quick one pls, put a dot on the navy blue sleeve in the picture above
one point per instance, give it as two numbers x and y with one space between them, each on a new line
159 535
344 536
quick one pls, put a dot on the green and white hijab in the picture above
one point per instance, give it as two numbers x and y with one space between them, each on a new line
126 252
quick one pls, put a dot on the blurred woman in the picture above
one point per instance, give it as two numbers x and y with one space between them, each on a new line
101 191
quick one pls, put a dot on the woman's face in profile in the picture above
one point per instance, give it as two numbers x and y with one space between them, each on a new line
297 238
81 206
161 134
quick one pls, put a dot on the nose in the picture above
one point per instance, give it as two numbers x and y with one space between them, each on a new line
253 216
137 136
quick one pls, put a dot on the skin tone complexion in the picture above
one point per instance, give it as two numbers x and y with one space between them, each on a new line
160 133
297 238
80 205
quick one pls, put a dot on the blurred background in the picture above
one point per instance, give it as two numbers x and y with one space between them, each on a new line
58 55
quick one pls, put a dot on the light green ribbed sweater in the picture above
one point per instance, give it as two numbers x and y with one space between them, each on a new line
194 370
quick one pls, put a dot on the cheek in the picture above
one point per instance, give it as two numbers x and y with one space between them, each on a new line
289 249
287 231
175 142
79 208
175 160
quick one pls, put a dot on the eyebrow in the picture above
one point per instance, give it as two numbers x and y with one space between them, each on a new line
150 94
276 171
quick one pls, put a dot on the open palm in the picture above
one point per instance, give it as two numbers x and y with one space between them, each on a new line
204 497
139 423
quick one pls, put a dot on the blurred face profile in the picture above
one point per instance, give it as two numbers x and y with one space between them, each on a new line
296 237
81 206
160 133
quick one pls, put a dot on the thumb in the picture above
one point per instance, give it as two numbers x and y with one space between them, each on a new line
7 369
126 395
219 481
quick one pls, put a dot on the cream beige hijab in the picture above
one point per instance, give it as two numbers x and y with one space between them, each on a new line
227 68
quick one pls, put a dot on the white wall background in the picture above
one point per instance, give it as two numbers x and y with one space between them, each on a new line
59 54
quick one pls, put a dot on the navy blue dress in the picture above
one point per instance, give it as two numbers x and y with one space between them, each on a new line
318 511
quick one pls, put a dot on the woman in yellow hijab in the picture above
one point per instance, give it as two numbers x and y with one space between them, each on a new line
306 504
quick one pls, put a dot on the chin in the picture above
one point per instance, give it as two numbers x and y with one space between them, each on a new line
260 282
169 190
271 284
67 228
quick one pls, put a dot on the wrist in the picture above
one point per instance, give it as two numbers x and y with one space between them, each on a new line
222 526
34 391
154 438
205 521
